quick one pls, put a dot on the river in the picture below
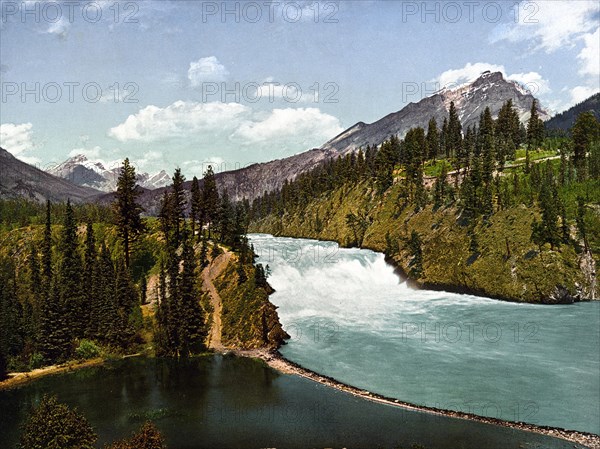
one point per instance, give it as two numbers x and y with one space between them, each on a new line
350 317
225 402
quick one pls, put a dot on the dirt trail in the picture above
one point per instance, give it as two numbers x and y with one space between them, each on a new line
209 274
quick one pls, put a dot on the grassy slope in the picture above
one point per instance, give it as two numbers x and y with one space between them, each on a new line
448 263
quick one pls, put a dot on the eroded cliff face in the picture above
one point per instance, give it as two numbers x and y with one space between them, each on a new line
495 259
249 319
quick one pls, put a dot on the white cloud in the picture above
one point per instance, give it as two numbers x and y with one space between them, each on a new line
590 55
580 93
90 153
306 127
468 73
200 130
533 82
16 138
60 28
550 25
206 69
179 119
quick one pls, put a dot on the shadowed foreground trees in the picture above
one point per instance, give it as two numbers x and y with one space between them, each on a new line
148 437
53 425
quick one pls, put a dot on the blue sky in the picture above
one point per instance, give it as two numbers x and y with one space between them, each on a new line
232 83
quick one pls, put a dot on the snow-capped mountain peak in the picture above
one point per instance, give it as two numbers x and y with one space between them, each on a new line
80 170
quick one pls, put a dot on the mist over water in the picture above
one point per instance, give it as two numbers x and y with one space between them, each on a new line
350 317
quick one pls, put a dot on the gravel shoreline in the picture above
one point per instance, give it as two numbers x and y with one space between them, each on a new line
276 361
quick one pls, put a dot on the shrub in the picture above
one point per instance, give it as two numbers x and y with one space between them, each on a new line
36 360
53 425
87 350
148 437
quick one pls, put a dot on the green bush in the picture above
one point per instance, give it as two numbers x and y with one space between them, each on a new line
87 350
36 360
53 425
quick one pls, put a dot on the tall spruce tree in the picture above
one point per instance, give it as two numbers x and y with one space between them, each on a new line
535 127
586 132
11 331
179 204
547 230
161 337
486 142
104 311
89 276
70 272
31 306
454 136
54 340
191 328
433 139
196 207
47 251
210 198
128 211
127 301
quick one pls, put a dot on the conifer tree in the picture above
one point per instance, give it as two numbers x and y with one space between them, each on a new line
225 220
165 216
210 199
433 139
11 332
32 295
440 188
485 142
143 289
47 251
70 271
581 226
535 127
161 338
104 313
128 211
127 300
179 204
54 340
443 138
203 254
191 328
586 131
454 135
196 207
547 231
415 247
89 276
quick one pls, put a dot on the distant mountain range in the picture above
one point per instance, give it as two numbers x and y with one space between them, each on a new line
83 172
565 120
21 180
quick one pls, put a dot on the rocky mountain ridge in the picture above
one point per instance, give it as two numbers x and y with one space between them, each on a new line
21 180
84 172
